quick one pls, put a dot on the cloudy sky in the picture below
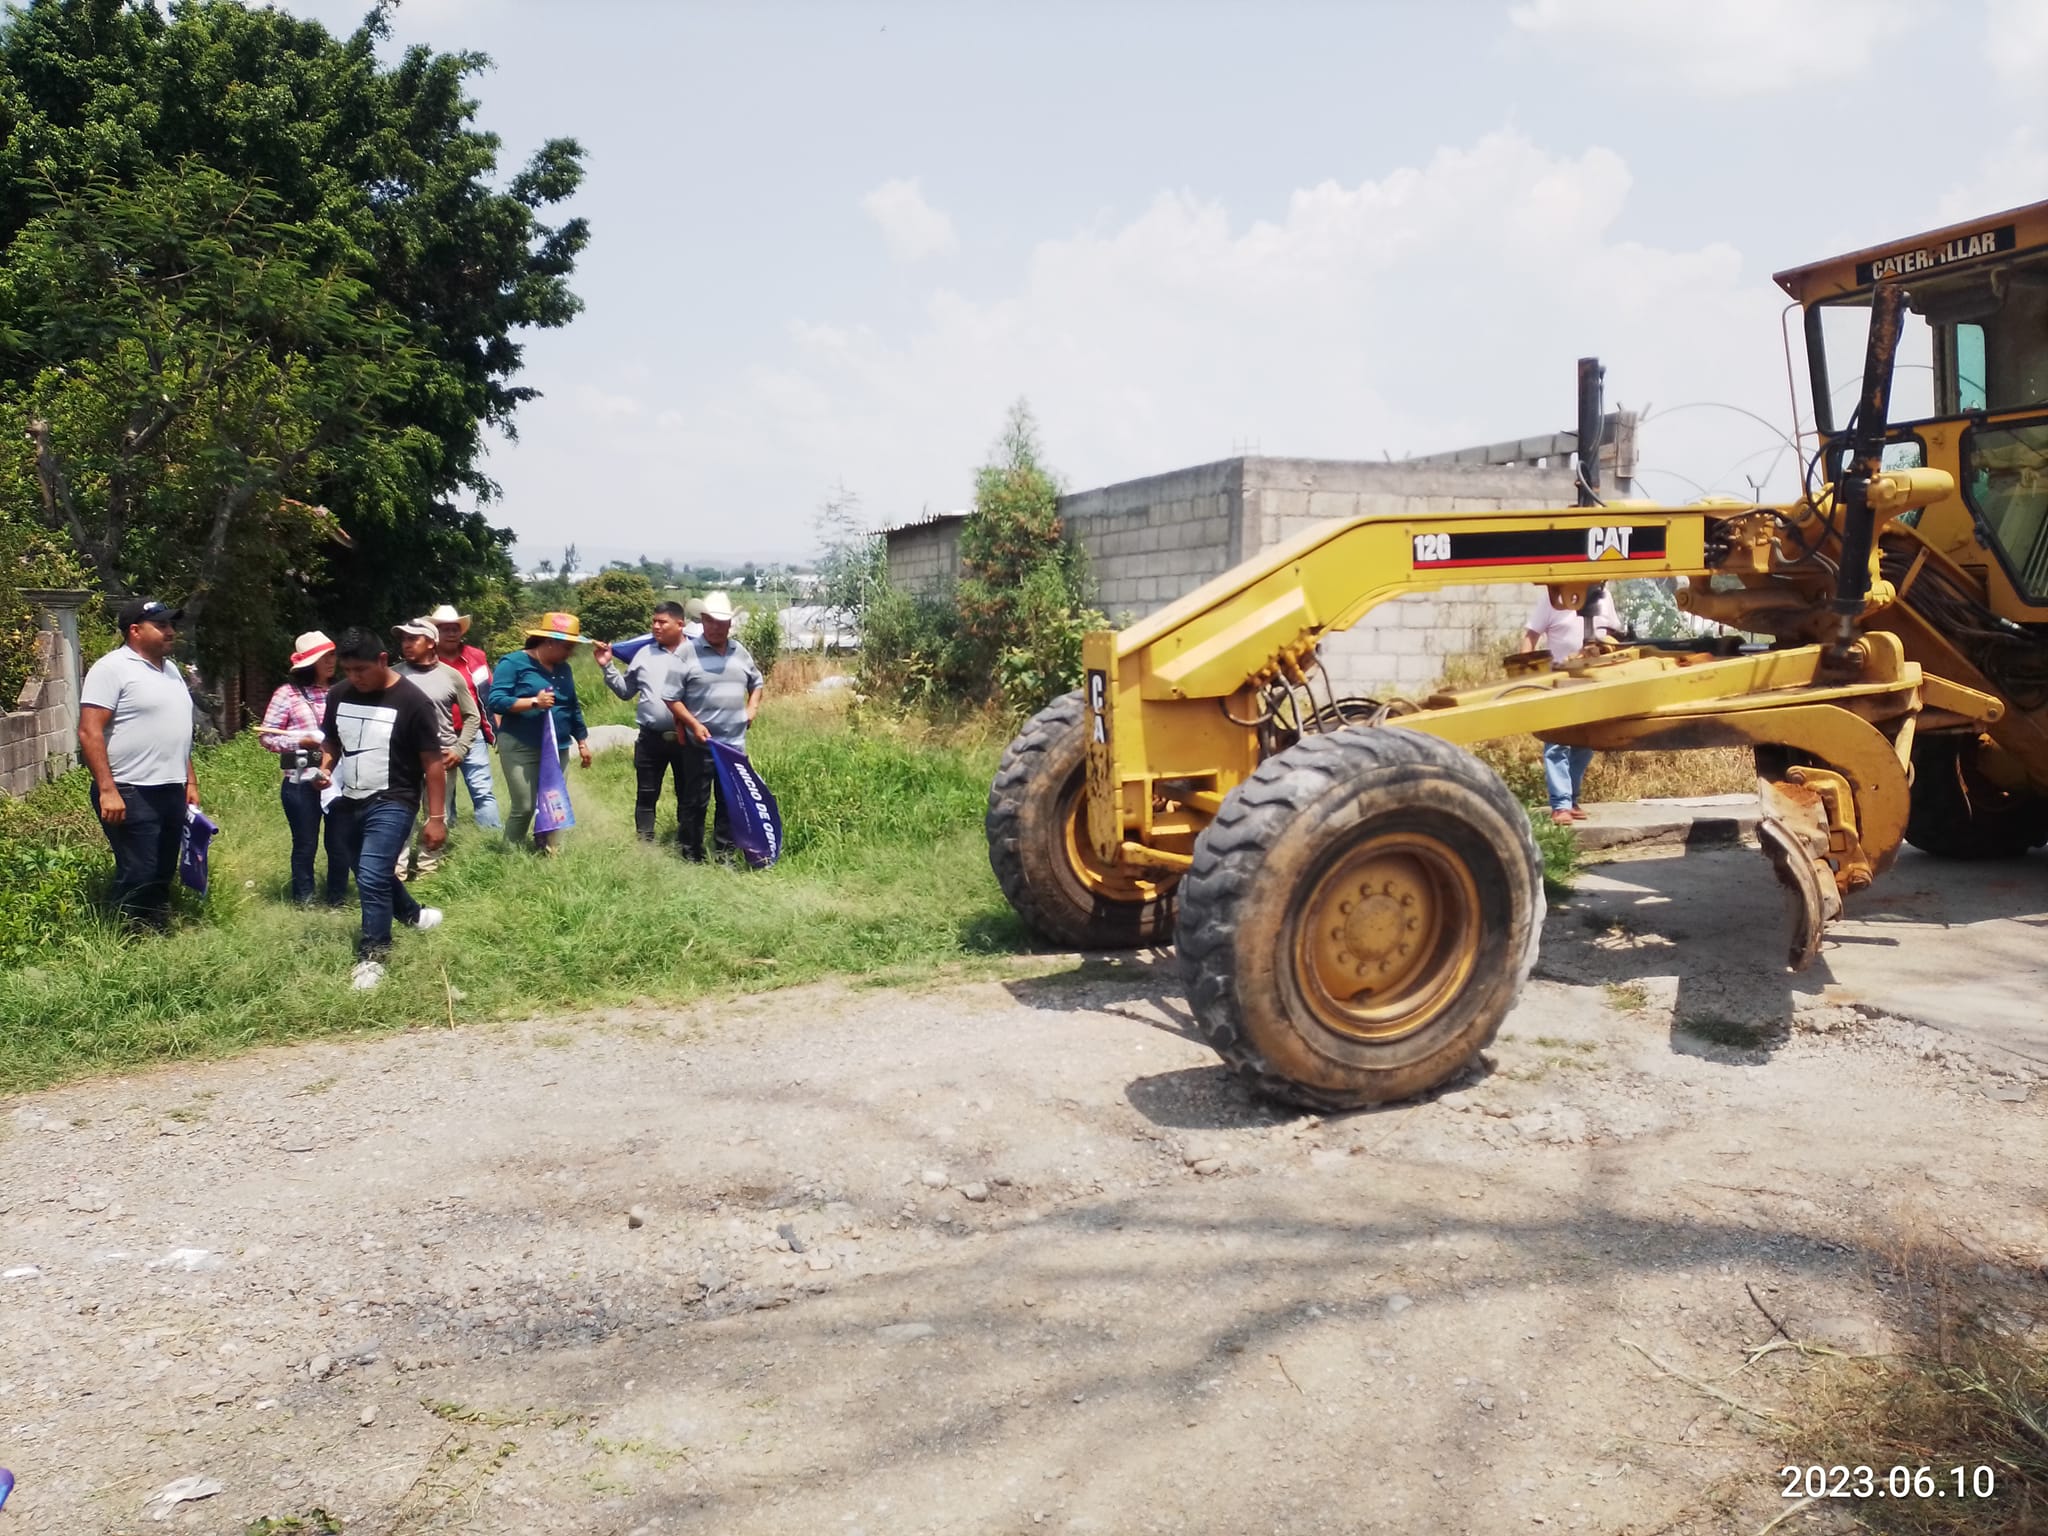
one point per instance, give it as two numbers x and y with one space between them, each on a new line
832 242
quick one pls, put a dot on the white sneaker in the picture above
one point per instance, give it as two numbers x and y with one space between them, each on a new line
430 917
366 975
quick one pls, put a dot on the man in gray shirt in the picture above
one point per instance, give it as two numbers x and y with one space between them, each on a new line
135 733
718 693
448 691
652 678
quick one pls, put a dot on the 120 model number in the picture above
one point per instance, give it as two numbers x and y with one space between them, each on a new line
1892 1483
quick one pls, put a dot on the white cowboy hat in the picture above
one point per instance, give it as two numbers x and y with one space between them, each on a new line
718 606
446 614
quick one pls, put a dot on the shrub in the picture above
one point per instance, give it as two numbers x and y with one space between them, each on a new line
53 860
762 636
615 604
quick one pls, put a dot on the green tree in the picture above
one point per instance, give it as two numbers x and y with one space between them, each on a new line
367 174
762 636
1022 597
186 379
615 604
1649 607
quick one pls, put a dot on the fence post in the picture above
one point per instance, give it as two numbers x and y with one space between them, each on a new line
57 616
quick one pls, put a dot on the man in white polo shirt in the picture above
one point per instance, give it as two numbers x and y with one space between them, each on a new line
135 733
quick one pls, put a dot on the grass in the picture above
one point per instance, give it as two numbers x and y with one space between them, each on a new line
1967 1388
885 869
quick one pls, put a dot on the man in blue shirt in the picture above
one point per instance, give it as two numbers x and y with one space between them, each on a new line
651 679
529 687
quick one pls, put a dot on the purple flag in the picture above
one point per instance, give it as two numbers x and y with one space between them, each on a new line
199 830
756 823
551 809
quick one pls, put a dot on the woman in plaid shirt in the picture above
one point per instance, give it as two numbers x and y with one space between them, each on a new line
292 728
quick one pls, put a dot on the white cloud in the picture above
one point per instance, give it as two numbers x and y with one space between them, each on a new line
1726 47
2016 42
1436 307
593 401
912 226
2009 174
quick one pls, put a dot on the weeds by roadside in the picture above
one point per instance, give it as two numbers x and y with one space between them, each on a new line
885 867
1967 1390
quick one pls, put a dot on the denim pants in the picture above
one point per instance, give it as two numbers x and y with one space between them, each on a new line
475 771
303 815
146 845
374 832
655 755
1564 771
700 786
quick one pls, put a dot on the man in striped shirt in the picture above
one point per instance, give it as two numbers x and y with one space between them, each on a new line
716 694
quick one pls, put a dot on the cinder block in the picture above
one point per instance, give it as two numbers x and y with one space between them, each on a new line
1329 504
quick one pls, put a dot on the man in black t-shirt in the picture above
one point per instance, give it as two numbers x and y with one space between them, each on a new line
382 752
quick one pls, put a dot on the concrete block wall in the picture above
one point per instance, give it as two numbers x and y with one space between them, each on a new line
1153 540
924 558
1407 645
38 737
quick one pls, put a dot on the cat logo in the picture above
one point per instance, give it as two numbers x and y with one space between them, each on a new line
1098 711
1608 543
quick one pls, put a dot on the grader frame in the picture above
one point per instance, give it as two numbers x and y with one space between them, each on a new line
1358 900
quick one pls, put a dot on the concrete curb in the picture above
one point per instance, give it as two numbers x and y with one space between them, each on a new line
1650 829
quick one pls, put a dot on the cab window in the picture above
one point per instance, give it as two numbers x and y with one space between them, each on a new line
1973 342
2005 480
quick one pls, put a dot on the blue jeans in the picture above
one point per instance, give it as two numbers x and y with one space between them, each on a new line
302 815
475 771
374 833
146 844
1564 771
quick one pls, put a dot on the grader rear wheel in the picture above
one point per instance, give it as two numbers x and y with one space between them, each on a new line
1038 844
1360 917
1958 814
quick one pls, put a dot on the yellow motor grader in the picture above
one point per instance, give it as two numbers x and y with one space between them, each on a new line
1357 899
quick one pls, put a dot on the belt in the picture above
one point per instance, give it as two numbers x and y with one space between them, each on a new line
648 730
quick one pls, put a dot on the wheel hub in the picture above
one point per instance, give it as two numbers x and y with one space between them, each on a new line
1387 936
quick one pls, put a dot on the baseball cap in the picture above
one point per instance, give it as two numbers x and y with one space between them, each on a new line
145 610
422 628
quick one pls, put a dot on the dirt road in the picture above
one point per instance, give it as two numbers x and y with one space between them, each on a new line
1008 1256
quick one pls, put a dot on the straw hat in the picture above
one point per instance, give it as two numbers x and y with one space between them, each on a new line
557 626
718 606
309 648
446 614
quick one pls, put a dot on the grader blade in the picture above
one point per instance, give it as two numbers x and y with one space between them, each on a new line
1811 903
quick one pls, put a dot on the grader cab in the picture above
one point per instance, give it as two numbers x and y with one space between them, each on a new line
1357 899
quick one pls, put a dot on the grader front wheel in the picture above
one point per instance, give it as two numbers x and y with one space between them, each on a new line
1360 917
1038 844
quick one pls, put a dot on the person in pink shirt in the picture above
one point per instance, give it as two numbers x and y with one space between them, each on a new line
454 648
292 728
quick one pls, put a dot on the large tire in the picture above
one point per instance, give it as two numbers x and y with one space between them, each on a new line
1038 844
1957 813
1371 852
